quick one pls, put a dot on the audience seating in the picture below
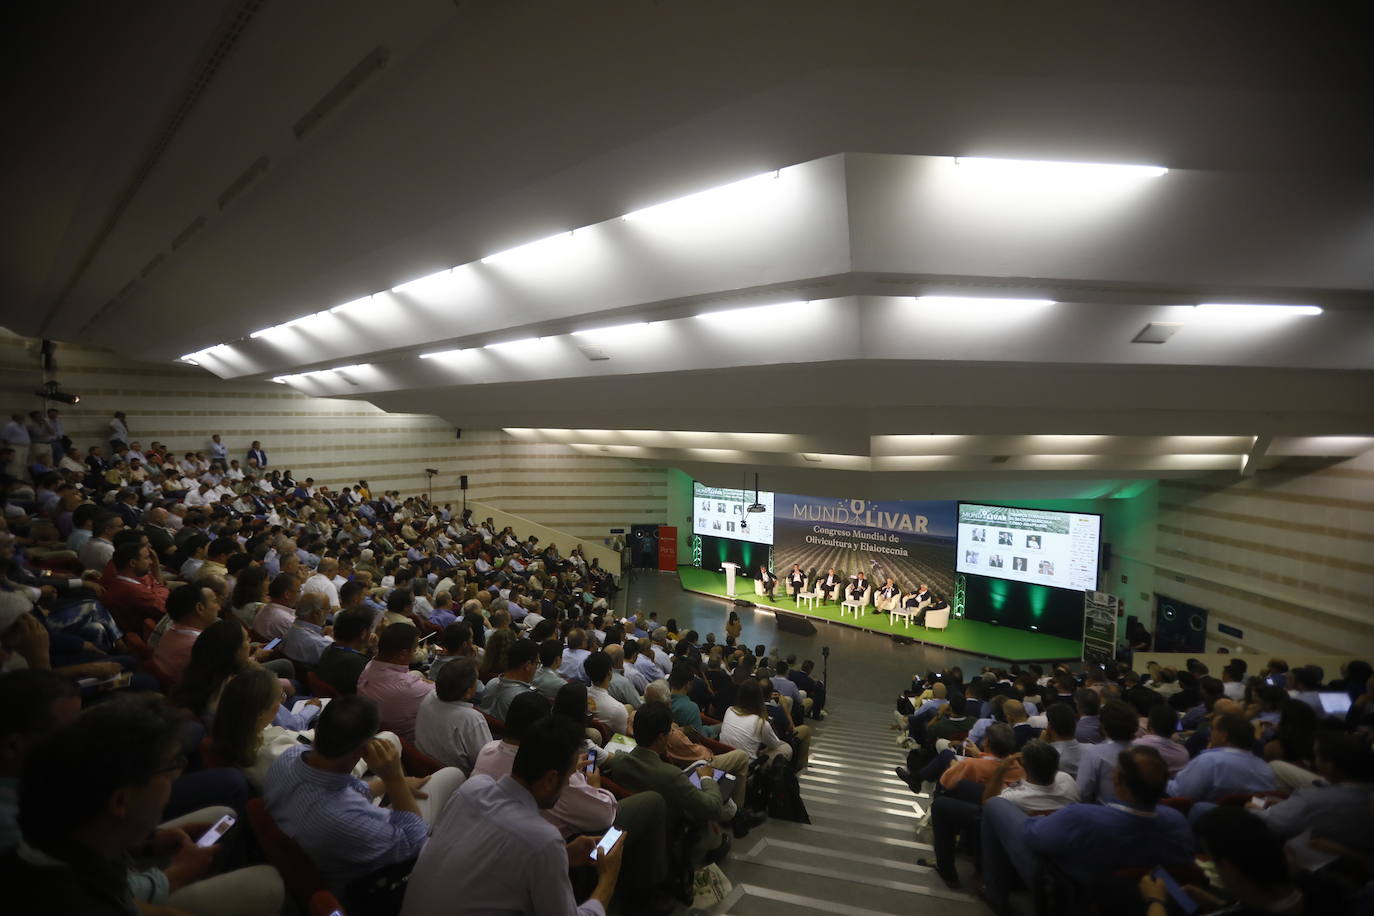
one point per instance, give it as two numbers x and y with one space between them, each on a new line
298 873
319 686
497 727
416 761
208 758
323 903
619 791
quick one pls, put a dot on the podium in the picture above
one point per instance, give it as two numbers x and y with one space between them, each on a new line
730 570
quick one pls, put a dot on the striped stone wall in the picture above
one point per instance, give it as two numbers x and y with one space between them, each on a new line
336 441
1286 556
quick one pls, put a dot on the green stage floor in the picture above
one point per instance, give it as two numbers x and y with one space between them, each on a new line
964 635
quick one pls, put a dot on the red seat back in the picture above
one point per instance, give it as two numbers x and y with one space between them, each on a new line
416 761
498 728
324 903
319 686
209 756
298 873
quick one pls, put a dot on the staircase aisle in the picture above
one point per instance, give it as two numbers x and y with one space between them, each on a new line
858 855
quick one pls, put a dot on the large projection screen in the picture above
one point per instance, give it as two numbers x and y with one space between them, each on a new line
723 512
1035 546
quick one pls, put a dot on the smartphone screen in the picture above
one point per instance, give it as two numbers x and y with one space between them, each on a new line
591 761
607 843
717 774
273 644
695 779
1185 903
221 827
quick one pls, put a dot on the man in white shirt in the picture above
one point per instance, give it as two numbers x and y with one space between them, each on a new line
607 708
119 430
447 726
493 851
621 688
98 550
322 582
235 472
218 450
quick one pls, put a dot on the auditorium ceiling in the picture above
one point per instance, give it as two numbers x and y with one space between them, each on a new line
836 243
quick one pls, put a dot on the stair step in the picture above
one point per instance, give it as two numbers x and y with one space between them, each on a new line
820 835
805 875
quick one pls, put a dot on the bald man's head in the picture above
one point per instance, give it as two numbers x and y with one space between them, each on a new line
1014 711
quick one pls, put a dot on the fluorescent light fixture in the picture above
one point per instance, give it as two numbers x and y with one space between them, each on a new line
352 368
705 203
757 313
959 304
348 305
614 331
531 251
190 359
1038 170
280 379
1246 311
430 284
444 354
512 344
262 333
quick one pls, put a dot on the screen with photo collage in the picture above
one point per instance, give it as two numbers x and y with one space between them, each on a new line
723 512
1036 546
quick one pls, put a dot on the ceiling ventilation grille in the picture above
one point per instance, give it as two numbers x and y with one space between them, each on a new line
241 183
366 68
216 52
185 235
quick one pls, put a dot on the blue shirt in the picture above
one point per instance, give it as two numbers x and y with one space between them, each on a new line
1220 771
305 642
572 665
1089 842
332 817
1096 766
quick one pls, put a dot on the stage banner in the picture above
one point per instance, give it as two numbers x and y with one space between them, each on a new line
667 548
910 540
1099 626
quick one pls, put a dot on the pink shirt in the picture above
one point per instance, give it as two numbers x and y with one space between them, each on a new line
273 621
581 808
397 691
173 652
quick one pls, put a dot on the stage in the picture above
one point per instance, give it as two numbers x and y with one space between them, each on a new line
1003 643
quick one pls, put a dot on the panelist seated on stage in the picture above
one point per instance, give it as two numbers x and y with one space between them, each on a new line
918 598
933 603
888 597
829 584
796 581
767 582
858 588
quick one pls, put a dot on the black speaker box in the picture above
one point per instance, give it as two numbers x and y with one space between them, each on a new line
795 623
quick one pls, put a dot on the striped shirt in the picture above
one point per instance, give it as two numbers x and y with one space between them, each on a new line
332 817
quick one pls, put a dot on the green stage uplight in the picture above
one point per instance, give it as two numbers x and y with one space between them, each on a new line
997 593
1039 597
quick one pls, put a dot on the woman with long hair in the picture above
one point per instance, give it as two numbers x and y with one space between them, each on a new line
732 625
244 734
746 724
220 652
250 594
1296 735
497 648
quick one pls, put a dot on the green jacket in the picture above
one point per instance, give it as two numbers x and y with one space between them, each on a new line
641 770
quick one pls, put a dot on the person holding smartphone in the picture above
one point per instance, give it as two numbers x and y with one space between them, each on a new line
492 849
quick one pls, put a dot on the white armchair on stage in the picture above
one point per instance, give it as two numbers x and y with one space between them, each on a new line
937 619
888 605
856 605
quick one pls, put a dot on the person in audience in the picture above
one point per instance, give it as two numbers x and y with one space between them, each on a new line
136 591
306 641
493 851
1044 788
343 660
605 706
448 727
221 651
81 824
1226 767
1060 726
746 726
698 803
547 679
1163 725
1295 736
322 582
1089 705
621 688
685 711
1335 804
514 681
814 689
574 656
455 643
34 703
388 681
275 618
1087 842
999 744
1096 780
316 800
192 609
